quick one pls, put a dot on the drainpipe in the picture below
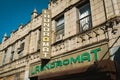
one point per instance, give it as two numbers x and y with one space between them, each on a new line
105 9
107 35
113 7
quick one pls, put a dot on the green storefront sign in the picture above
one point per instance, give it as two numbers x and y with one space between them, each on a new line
85 56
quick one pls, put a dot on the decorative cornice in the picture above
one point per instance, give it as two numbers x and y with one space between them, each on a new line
53 1
21 37
111 22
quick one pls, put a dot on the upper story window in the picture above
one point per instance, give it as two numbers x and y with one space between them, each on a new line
17 76
5 54
13 48
12 52
12 56
38 39
21 48
59 28
85 22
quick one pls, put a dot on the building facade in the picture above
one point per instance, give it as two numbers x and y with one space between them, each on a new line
85 43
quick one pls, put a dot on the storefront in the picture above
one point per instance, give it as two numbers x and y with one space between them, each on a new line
84 64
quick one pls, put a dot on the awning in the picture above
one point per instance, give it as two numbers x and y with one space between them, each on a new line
100 66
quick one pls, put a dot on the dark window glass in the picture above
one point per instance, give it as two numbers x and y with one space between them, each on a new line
85 18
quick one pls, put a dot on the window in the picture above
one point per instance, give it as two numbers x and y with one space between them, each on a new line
84 18
38 39
59 28
5 78
17 76
12 52
5 54
12 56
13 48
38 45
21 48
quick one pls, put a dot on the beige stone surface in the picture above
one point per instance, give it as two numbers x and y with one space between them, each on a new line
29 33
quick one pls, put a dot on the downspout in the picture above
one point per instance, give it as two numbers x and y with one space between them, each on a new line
105 10
113 7
106 35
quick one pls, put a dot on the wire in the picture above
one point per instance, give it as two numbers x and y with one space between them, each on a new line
109 49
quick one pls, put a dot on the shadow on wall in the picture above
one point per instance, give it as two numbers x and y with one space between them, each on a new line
117 56
117 60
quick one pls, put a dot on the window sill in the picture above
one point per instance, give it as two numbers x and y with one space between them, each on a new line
57 42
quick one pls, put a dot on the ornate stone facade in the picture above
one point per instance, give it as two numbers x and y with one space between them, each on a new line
22 48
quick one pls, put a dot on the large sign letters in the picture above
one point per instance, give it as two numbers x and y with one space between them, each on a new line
45 52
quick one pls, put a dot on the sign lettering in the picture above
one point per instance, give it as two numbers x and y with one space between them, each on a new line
86 56
45 52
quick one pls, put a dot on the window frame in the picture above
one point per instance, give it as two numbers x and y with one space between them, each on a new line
5 55
12 56
85 18
59 28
